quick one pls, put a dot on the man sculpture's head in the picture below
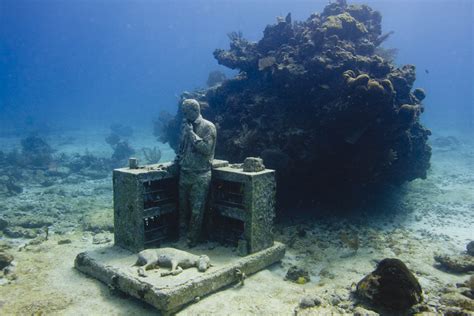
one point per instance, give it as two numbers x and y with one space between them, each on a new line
191 109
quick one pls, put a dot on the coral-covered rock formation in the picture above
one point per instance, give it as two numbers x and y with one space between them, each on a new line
316 102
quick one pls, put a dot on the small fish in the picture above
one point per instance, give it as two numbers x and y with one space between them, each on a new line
427 71
324 86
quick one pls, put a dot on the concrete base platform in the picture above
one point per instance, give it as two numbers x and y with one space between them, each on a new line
114 266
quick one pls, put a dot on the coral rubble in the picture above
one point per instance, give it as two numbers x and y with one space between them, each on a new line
298 275
317 103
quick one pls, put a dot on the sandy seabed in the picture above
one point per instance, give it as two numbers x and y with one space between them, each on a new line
420 219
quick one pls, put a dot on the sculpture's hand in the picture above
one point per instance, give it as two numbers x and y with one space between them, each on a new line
187 128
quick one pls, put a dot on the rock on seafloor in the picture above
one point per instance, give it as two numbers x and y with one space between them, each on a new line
470 248
298 275
455 263
391 285
5 260
309 301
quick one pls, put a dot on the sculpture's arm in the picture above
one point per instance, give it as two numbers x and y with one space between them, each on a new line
182 140
204 144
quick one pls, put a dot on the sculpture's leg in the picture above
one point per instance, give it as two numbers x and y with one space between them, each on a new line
198 199
177 271
151 266
174 264
183 203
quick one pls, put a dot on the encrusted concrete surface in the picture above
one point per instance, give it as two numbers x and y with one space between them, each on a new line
114 266
258 201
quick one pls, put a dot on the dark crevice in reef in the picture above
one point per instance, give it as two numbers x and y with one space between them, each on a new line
318 102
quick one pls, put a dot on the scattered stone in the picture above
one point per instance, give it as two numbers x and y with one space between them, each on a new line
468 294
391 286
31 221
420 308
37 241
4 245
5 260
100 221
101 239
9 273
359 311
454 311
467 288
20 232
456 264
469 248
455 299
308 301
297 275
64 241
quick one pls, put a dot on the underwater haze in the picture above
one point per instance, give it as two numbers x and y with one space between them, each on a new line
362 112
88 62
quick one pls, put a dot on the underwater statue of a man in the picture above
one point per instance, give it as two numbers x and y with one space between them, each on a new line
194 159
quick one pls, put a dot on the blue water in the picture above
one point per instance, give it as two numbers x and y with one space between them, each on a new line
86 63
